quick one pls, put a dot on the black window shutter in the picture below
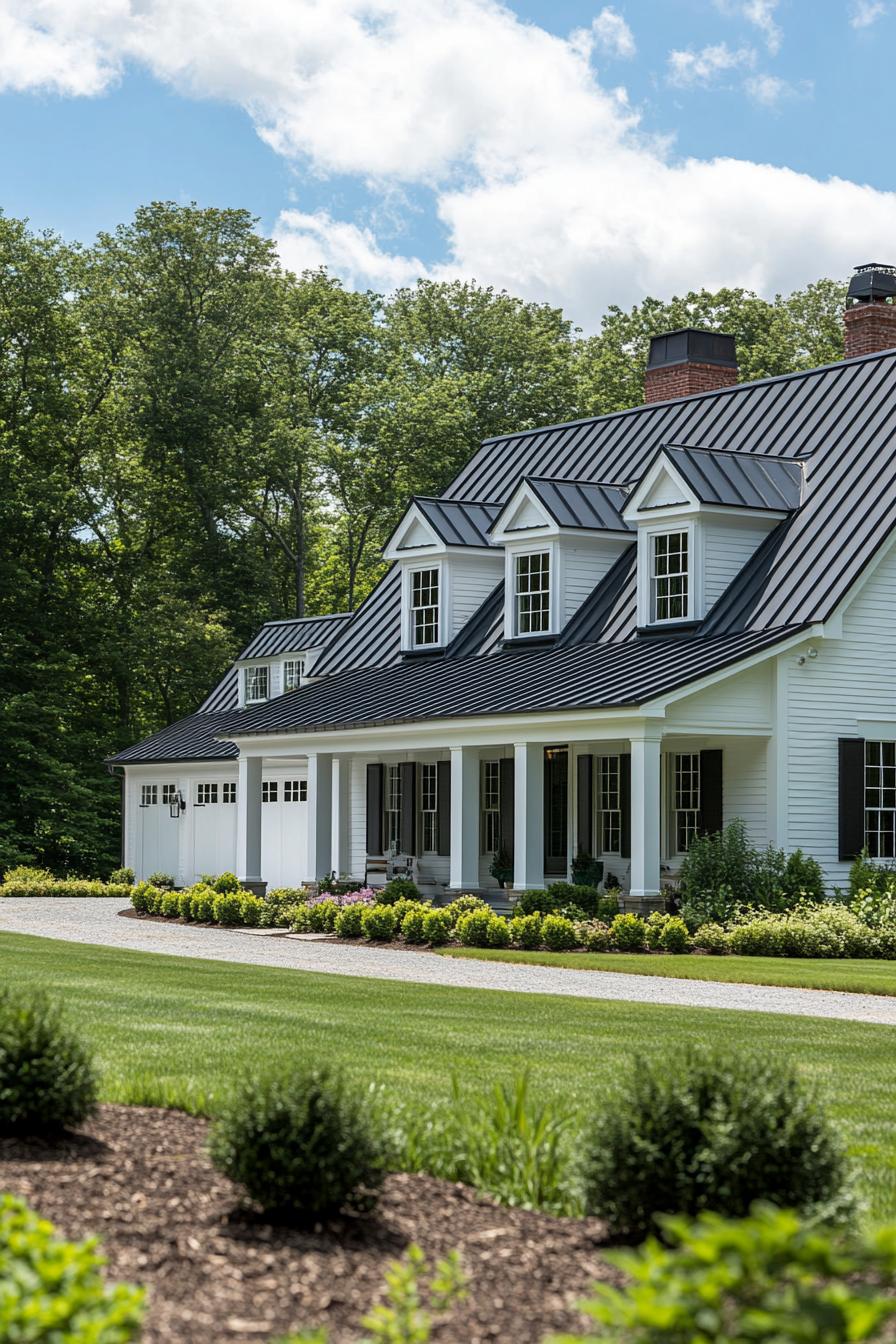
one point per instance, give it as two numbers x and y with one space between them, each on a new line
443 802
507 804
408 771
851 796
374 809
585 804
625 806
711 820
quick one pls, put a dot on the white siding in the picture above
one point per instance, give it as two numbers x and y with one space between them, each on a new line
471 580
582 569
851 680
744 788
727 546
740 701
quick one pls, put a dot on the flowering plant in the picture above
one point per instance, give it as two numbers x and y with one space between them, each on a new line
364 896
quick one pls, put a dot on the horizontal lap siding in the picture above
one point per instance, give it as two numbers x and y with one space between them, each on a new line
851 679
727 548
742 700
744 788
582 570
472 579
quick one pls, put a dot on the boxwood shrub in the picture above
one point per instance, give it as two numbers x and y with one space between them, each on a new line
185 904
710 1130
558 934
463 905
628 933
378 923
322 916
413 924
498 932
398 889
202 903
169 906
674 936
349 921
301 1144
437 926
226 907
525 931
47 1079
472 929
711 938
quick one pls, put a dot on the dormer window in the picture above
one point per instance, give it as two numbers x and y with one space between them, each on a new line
669 576
532 593
256 684
424 607
293 671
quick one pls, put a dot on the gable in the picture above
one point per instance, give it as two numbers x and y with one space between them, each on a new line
665 492
527 515
416 536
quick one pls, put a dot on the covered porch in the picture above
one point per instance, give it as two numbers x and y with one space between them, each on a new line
628 794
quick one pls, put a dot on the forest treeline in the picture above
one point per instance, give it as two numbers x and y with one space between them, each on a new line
193 441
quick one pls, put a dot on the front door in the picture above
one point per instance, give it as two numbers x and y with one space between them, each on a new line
556 811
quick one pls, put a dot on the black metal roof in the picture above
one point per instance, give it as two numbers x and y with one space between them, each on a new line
195 738
459 522
739 480
595 505
293 635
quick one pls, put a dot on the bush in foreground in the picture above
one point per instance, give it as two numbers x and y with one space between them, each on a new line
558 934
710 1130
47 1079
398 889
349 921
628 933
437 928
769 1277
53 1290
378 923
301 1145
525 931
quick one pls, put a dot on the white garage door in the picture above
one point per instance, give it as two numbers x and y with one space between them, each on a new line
284 838
213 813
157 831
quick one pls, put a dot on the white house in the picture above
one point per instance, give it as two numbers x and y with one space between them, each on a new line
606 636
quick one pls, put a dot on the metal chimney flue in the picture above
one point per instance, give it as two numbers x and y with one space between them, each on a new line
682 363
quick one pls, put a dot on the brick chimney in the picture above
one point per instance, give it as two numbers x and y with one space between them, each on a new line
870 315
688 361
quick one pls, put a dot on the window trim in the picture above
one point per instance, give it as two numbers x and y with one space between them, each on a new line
429 816
604 812
408 642
515 556
874 852
673 810
645 559
492 813
392 793
255 668
298 662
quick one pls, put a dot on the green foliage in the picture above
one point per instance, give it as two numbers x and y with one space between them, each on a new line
711 938
378 923
185 904
558 934
322 917
587 871
810 931
143 898
607 907
525 931
472 929
722 872
437 927
501 866
667 933
593 935
23 875
398 889
76 887
252 910
350 921
628 933
710 1130
163 880
413 924
170 904
202 903
228 882
53 1290
227 908
500 1140
767 1278
406 1316
404 907
499 932
654 925
463 905
865 875
47 1078
123 877
302 1144
549 900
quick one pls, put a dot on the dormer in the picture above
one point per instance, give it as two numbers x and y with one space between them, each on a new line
700 515
448 568
264 678
560 538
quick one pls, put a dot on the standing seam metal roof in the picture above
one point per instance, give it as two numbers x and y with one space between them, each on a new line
739 480
459 522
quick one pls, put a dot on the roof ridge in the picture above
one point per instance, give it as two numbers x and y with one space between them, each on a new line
739 453
297 620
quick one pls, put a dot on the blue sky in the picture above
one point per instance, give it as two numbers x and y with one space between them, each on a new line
577 153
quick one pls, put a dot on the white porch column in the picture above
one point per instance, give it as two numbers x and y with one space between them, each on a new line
248 819
645 813
464 869
318 852
341 840
528 815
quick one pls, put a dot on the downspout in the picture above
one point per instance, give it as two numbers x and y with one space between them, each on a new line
114 772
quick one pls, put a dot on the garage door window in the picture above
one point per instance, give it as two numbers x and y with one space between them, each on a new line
269 790
228 793
149 794
205 794
169 793
295 790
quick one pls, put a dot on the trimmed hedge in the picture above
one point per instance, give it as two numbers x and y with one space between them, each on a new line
70 886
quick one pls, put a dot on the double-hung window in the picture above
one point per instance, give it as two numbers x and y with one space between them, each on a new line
424 607
429 802
880 799
256 684
392 808
610 806
490 809
685 799
293 671
532 593
669 576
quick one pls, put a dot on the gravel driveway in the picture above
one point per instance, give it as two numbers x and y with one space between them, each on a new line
98 922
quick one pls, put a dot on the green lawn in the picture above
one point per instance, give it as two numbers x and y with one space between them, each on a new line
177 1030
854 976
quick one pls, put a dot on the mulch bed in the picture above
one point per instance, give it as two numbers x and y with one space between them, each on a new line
141 1181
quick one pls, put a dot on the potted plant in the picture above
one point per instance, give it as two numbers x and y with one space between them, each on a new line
587 871
501 867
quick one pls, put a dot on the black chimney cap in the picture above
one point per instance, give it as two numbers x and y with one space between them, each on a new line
872 283
692 346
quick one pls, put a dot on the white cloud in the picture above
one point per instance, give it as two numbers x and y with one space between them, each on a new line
693 69
863 13
770 90
542 179
612 34
759 13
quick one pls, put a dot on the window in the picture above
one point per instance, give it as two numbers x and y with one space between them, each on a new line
669 577
269 790
149 794
424 607
295 790
532 593
256 684
206 793
490 795
392 809
686 800
228 793
429 802
293 672
610 806
880 799
169 793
